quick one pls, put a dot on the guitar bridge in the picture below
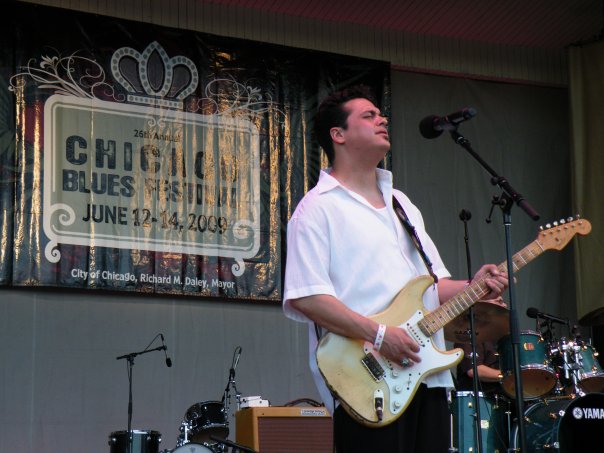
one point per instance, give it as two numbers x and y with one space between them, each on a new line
372 365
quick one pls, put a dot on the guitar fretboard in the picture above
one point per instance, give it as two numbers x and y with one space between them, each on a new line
476 291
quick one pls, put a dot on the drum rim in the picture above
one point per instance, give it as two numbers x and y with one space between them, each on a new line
523 332
209 402
213 425
136 431
194 444
531 366
468 393
590 375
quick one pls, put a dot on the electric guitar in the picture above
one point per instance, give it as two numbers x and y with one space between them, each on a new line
375 390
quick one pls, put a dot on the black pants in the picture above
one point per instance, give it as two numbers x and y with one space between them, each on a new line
424 427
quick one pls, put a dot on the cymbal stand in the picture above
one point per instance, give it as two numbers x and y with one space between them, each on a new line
554 350
464 216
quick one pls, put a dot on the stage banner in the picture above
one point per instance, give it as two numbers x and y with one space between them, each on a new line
143 158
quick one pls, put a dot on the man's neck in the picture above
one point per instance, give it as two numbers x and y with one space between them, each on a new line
362 181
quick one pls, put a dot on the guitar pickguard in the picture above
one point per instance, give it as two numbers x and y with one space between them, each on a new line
402 382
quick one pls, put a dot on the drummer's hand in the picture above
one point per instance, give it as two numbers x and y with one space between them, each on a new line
496 280
398 345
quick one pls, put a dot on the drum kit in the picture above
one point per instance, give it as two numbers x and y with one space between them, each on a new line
562 389
204 428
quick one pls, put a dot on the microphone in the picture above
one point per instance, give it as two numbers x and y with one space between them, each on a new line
465 215
168 361
432 126
236 357
532 312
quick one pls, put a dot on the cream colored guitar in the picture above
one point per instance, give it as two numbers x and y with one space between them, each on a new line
377 391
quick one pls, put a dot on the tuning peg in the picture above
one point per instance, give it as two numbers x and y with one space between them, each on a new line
555 224
570 219
548 225
562 221
541 228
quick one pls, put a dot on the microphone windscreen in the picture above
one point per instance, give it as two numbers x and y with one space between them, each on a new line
426 127
532 312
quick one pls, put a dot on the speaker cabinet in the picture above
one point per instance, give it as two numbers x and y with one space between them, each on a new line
285 429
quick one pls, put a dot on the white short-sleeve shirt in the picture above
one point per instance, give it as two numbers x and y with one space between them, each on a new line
340 245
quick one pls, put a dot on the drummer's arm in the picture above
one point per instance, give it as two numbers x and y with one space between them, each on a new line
486 373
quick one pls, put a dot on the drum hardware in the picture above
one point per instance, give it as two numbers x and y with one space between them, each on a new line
183 437
580 371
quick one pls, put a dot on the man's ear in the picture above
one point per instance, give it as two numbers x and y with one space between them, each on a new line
336 135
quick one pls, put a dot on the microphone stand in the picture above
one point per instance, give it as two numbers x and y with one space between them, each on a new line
465 216
508 197
130 358
226 397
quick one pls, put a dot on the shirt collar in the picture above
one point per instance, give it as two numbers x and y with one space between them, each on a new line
328 182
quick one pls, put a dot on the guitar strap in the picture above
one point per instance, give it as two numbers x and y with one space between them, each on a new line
402 215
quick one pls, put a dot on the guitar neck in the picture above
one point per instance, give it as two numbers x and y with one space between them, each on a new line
476 291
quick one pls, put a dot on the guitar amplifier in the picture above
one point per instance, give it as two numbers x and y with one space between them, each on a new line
285 429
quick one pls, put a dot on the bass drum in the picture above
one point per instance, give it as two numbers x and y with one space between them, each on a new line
492 423
142 441
207 419
563 425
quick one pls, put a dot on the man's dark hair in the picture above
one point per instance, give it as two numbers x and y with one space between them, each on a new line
332 113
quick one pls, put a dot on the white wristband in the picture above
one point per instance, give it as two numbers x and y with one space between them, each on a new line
379 337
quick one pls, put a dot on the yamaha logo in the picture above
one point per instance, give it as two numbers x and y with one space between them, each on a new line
588 413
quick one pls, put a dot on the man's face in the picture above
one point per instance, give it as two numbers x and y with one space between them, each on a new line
366 128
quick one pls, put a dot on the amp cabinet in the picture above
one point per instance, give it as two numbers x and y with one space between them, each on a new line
285 429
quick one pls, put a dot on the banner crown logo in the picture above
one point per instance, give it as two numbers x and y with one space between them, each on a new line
153 78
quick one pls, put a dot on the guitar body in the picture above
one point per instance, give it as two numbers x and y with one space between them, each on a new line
341 362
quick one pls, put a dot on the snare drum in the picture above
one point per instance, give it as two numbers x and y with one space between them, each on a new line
492 423
142 442
207 419
537 373
591 375
564 425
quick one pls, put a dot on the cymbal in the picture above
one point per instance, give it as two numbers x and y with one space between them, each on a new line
491 322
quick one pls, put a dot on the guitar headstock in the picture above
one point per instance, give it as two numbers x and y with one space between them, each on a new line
558 234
